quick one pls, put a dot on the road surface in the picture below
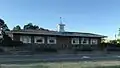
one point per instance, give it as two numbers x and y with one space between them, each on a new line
16 59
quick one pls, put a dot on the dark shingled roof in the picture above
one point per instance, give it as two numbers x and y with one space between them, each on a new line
48 32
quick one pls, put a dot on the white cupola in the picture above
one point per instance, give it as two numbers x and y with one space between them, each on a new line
61 26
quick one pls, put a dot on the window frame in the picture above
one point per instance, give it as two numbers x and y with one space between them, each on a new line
25 39
75 39
51 38
96 41
37 38
87 42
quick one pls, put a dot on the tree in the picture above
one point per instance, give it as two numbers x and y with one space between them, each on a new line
118 41
33 27
30 26
36 27
113 41
7 41
103 40
5 27
17 28
1 22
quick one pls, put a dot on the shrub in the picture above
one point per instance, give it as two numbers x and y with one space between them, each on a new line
84 48
111 46
7 41
50 50
1 50
16 43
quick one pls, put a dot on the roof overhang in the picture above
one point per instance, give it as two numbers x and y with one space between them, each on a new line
57 33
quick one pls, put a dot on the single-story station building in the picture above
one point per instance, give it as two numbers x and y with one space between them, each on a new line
60 40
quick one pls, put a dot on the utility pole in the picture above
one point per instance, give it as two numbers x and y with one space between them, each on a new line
115 37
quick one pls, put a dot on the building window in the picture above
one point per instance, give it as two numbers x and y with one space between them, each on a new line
75 41
39 40
85 41
94 41
25 39
51 40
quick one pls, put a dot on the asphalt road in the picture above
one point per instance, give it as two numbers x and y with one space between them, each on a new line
22 59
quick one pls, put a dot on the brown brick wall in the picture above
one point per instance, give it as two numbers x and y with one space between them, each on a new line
62 42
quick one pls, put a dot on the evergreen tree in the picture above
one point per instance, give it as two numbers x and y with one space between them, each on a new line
17 28
30 26
5 27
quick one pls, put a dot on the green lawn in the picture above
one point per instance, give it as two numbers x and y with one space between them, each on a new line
82 64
